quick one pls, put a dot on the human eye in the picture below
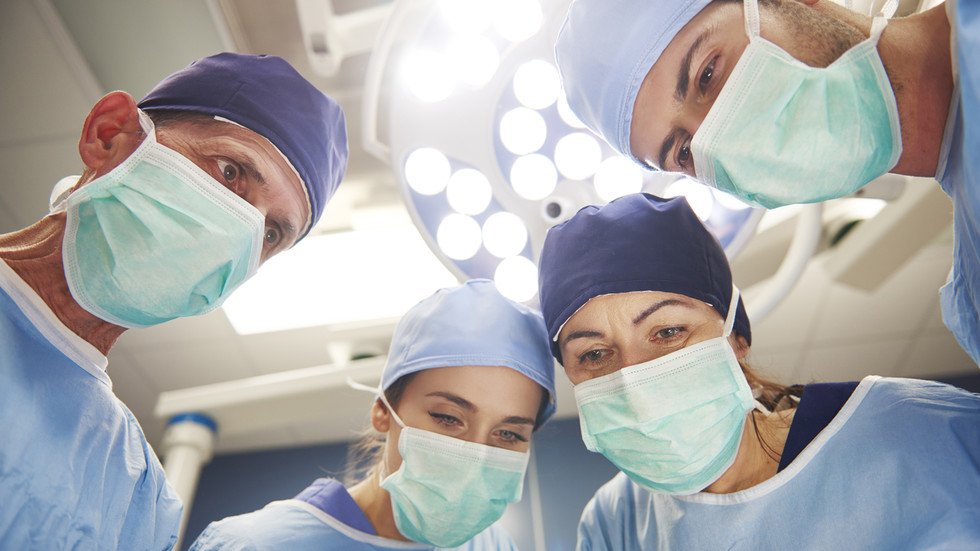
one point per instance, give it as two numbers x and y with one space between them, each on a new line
273 235
445 419
231 171
706 75
684 155
510 436
669 334
594 356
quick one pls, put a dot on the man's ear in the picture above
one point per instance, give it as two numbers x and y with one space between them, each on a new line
110 134
380 418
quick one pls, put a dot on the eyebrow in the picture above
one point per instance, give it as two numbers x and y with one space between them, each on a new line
458 400
253 173
683 75
657 306
581 335
516 420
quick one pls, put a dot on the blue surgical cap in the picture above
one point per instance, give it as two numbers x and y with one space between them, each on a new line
266 95
605 49
639 242
472 324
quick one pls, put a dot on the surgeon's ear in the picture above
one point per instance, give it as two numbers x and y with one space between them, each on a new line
110 134
380 418
740 345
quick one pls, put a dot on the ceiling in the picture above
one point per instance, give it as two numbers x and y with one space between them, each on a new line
58 56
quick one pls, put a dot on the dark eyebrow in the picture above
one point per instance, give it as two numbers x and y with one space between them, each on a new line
458 400
667 146
287 226
516 420
657 306
683 75
580 335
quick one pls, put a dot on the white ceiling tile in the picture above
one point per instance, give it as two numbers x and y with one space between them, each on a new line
852 362
195 329
936 355
30 171
283 350
40 98
897 308
171 367
790 323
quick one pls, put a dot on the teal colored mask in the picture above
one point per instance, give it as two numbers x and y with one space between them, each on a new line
448 490
782 132
672 424
157 238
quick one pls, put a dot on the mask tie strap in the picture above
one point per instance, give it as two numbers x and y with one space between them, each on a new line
379 394
732 308
751 9
881 20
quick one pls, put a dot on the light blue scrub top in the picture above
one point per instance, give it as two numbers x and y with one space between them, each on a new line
959 174
897 468
298 526
76 471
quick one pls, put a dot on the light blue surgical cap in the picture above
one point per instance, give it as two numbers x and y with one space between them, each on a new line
472 324
606 48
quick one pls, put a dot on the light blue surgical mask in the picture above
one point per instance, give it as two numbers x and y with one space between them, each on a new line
672 424
157 238
448 490
782 132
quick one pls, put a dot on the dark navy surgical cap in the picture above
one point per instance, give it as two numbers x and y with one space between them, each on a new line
266 95
639 242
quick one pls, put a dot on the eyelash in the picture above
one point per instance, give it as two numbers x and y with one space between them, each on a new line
676 333
445 420
707 76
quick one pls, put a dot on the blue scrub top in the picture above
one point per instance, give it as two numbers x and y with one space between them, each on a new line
76 471
323 517
959 174
896 468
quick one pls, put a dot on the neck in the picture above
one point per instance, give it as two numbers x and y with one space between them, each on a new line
753 464
375 502
34 254
916 54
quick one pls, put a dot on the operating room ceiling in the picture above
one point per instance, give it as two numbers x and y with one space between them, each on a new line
58 56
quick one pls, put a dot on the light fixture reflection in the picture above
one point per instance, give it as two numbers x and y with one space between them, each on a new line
617 176
533 176
517 278
467 16
475 59
459 236
504 234
697 195
522 130
577 156
536 84
517 20
428 76
469 191
427 170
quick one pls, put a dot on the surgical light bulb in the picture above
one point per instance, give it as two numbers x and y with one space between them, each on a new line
517 20
428 75
504 234
522 130
566 114
516 278
427 170
577 156
697 195
617 176
536 84
459 236
474 58
468 191
467 16
533 176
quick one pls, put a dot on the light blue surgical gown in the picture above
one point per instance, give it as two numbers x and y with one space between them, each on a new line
299 526
897 468
959 174
75 469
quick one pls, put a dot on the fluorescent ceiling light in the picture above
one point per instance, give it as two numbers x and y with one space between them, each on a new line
339 278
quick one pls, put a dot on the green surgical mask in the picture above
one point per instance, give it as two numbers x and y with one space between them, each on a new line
782 132
448 490
157 238
673 424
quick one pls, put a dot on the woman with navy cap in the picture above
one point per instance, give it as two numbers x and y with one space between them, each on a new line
468 379
643 316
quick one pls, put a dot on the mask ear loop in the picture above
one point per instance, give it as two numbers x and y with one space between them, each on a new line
881 20
379 395
729 324
751 10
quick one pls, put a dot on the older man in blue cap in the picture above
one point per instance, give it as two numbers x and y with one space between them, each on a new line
791 101
221 166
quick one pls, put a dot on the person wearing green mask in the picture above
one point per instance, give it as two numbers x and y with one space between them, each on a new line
183 195
791 101
459 400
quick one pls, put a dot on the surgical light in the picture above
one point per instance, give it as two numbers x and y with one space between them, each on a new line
468 191
578 155
504 235
617 176
459 236
533 176
517 20
522 130
517 278
467 16
475 59
427 170
428 76
536 84
698 196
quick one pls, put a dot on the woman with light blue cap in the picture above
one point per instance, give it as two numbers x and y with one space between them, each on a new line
642 314
468 379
